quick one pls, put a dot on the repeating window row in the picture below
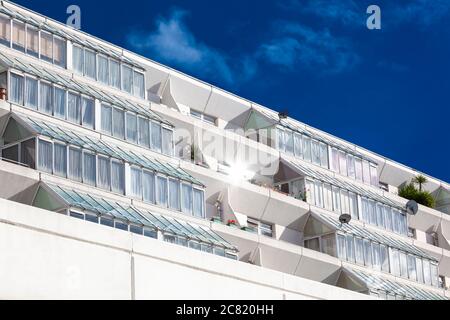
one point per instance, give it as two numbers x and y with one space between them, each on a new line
136 129
108 71
340 200
52 99
33 41
382 258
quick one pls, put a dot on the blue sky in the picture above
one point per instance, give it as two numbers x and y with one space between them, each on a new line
386 90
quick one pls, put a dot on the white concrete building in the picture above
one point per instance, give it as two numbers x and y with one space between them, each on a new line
124 179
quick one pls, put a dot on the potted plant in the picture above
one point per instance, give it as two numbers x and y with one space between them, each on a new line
410 192
232 223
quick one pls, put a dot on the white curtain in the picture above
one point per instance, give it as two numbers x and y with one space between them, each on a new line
106 119
365 210
412 268
16 92
280 139
138 85
328 197
18 35
366 172
127 78
73 108
136 182
359 251
104 173
199 204
307 148
161 191
45 156
78 59
298 145
31 93
334 160
59 54
315 152
89 64
387 218
155 136
351 165
376 256
367 253
46 98
380 216
374 176
118 123
117 177
174 194
60 160
46 46
60 103
403 264
336 200
343 163
350 247
353 205
373 212
186 200
419 269
324 155
345 201
144 132
114 72
75 170
358 169
384 258
32 41
148 186
131 127
289 142
103 70
88 112
167 144
89 171
341 246
318 194
5 30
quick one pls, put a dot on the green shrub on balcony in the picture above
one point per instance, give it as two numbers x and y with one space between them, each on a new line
410 192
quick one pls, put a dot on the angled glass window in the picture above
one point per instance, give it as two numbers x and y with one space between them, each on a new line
144 132
156 136
59 52
114 73
104 173
88 110
74 108
289 136
106 119
78 59
148 186
5 30
342 163
45 156
136 182
103 69
132 134
117 177
367 253
167 145
199 204
18 36
307 148
161 191
138 85
90 64
32 41
186 198
31 93
46 46
46 98
351 166
358 169
174 194
60 103
323 155
27 153
75 166
60 160
350 247
17 88
298 145
127 78
341 247
118 123
89 168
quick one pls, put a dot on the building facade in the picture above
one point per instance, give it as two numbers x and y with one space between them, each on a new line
122 178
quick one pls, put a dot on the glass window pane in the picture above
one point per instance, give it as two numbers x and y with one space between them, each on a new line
434 275
74 108
307 148
367 253
358 169
161 191
78 59
199 204
59 54
336 200
323 155
27 153
289 136
412 274
18 36
114 70
318 195
104 173
106 119
419 270
148 184
328 197
131 127
366 172
298 145
376 259
426 271
174 194
354 205
394 262
372 212
384 258
342 163
144 132
345 201
118 123
167 144
380 216
103 69
280 139
156 136
335 160
90 64
60 103
46 46
75 166
60 161
387 218
136 182
186 201
341 246
374 175
31 93
11 153
17 88
127 78
45 156
88 110
89 169
328 243
5 30
46 98
315 152
351 166
350 248
138 85
117 177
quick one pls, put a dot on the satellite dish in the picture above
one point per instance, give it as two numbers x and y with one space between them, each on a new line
345 218
283 115
412 207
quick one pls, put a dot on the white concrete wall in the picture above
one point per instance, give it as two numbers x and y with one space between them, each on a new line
45 255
